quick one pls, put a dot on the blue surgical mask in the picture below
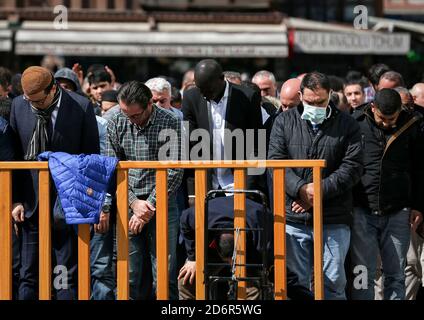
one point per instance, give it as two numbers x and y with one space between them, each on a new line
314 114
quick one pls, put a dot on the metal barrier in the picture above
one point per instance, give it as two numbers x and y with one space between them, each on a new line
200 167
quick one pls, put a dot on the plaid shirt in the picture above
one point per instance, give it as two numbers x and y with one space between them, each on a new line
127 141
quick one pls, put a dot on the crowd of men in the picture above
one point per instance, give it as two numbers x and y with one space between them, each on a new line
368 127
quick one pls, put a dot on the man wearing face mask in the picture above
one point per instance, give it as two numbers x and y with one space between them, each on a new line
316 129
388 202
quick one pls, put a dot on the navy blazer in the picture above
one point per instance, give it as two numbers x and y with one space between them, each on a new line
75 132
6 141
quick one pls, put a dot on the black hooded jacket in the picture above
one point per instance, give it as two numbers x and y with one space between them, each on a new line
393 175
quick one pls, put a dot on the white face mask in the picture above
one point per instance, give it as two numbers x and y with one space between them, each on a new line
314 114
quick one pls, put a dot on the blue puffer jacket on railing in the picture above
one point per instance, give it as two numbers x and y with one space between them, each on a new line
81 182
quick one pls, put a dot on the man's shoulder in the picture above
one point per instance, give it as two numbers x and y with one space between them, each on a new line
193 93
290 115
117 118
241 90
3 125
359 113
19 101
165 115
82 101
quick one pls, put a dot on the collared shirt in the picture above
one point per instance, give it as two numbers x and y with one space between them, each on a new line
221 177
56 109
127 141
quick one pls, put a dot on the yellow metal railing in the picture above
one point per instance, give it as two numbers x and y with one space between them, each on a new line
200 167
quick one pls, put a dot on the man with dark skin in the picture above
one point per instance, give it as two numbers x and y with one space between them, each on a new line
209 79
220 107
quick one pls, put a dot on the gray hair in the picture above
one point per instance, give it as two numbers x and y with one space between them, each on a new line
232 75
159 85
264 74
393 76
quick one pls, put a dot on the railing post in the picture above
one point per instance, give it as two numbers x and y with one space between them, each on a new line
122 235
240 222
84 262
5 235
280 273
318 235
162 236
45 244
200 192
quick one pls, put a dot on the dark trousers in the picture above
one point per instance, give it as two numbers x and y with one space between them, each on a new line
16 263
64 261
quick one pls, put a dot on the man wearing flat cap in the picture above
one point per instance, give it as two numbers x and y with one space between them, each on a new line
47 118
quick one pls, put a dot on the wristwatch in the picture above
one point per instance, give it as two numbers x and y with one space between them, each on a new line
106 208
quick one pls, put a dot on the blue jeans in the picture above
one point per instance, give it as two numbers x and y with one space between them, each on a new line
300 256
103 282
388 236
143 247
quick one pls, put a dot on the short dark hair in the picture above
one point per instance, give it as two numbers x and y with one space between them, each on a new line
175 95
5 77
5 107
98 76
395 77
95 67
353 75
315 80
353 82
225 245
251 85
17 85
336 83
135 92
376 71
110 96
387 101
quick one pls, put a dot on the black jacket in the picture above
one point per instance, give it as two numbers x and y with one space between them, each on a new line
338 141
221 215
6 141
393 172
243 113
75 132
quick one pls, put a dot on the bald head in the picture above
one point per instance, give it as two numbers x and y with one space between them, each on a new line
417 92
209 78
289 94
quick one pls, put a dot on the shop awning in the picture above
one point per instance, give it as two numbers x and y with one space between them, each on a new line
323 38
167 40
5 37
417 29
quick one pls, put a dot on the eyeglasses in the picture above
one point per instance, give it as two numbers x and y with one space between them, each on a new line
136 116
41 101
